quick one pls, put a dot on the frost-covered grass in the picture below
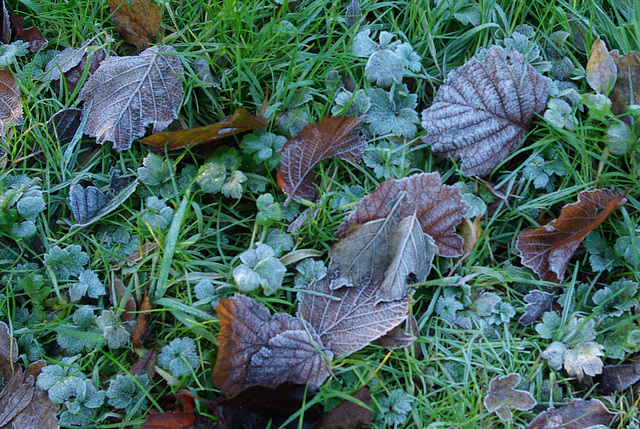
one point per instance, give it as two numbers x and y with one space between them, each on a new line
211 222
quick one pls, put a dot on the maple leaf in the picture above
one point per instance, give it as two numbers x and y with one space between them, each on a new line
10 106
347 319
240 121
256 349
333 137
502 396
547 249
482 114
125 94
577 414
137 20
438 208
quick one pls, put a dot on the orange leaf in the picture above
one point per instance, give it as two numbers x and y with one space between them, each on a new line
137 20
239 122
547 249
333 137
601 68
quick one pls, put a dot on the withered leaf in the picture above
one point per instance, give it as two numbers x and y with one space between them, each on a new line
71 64
118 292
336 137
349 414
256 349
145 365
179 417
618 378
126 94
578 414
626 90
537 302
482 114
398 337
142 324
8 353
548 249
438 208
137 20
64 124
601 68
502 396
5 28
16 396
239 122
32 34
10 106
347 319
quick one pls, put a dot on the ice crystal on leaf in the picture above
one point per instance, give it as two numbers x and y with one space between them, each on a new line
483 111
393 113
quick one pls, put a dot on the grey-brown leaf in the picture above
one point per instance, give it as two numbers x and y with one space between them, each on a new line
482 114
10 106
347 319
126 94
63 62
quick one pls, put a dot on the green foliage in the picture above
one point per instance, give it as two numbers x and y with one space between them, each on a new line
264 147
348 103
259 268
220 174
279 241
388 159
21 201
82 334
157 214
116 332
10 53
396 407
66 262
179 357
128 393
393 113
155 171
88 285
309 271
269 210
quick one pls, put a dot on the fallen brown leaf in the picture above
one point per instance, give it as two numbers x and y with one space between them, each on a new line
239 122
548 248
10 106
626 90
137 20
601 68
142 324
32 34
333 137
145 365
618 378
5 29
578 414
118 293
502 396
349 414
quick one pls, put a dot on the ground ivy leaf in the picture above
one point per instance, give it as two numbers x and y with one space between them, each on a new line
126 94
578 414
584 358
439 208
482 114
333 137
537 303
548 249
502 396
347 319
256 349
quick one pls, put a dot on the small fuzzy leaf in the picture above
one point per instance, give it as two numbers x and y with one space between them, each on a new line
584 358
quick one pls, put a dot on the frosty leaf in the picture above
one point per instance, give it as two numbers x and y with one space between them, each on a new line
383 68
157 214
128 394
256 349
601 255
616 298
618 378
309 271
439 208
447 307
126 94
118 334
66 262
550 325
259 268
482 114
240 121
578 414
352 14
538 302
279 241
10 106
396 407
413 253
410 59
9 52
232 187
269 210
8 353
88 284
554 354
63 62
559 113
502 396
138 21
363 45
620 138
601 68
265 147
547 249
394 114
85 203
469 15
356 105
584 358
333 137
347 319
179 357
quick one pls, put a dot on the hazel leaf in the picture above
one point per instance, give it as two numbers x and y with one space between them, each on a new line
482 114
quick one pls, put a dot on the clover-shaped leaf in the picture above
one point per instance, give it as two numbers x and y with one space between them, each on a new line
502 396
259 268
264 147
